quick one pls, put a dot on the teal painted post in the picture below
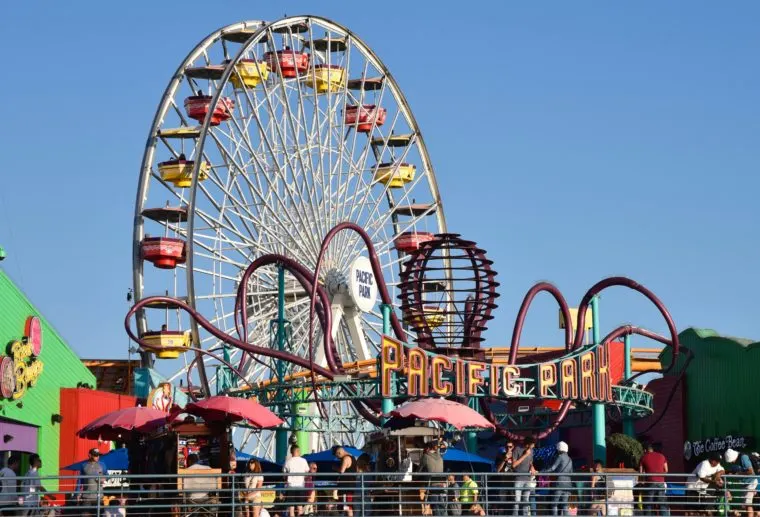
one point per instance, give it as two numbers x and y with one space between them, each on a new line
628 427
387 403
281 435
472 442
598 416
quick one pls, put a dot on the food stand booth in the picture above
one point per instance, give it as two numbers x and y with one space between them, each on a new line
164 453
396 492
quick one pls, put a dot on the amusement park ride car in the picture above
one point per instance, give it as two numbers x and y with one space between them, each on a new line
285 184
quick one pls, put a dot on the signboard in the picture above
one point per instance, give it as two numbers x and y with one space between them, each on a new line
362 284
21 368
718 444
581 376
161 397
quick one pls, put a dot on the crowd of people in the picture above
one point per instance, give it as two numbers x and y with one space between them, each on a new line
528 487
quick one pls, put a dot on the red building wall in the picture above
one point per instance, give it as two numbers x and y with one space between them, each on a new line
669 431
79 407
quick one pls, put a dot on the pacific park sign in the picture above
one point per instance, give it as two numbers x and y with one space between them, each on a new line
21 368
583 375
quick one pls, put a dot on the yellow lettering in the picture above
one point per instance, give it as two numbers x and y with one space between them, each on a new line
391 360
508 386
417 378
493 380
547 378
438 365
460 381
604 384
568 379
588 385
475 377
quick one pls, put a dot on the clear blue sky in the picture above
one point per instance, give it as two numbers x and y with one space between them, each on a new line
582 139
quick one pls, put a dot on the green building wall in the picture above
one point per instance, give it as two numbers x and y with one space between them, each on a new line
722 385
61 369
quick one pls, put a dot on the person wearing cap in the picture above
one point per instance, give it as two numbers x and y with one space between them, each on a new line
742 464
701 484
654 464
88 487
562 484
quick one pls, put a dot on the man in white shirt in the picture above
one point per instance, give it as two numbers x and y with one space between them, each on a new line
197 485
298 467
9 494
701 483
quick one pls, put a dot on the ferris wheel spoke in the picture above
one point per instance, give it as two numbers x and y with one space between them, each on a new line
238 166
359 165
297 92
232 167
282 173
293 125
377 225
248 213
381 197
363 194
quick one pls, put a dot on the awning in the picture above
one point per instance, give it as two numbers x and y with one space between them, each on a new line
17 436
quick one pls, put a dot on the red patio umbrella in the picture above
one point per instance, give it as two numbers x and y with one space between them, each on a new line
442 410
233 409
123 422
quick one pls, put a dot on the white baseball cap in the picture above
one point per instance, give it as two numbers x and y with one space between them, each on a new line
731 455
562 447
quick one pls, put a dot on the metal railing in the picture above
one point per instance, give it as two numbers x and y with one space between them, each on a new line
379 494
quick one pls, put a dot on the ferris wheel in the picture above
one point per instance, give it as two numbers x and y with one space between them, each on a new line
267 136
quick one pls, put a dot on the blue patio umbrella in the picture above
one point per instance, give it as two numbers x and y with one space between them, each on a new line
117 459
457 460
266 465
328 457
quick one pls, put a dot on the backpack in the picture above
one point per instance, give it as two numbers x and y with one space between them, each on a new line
755 460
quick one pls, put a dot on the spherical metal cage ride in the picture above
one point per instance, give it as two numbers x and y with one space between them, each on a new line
282 153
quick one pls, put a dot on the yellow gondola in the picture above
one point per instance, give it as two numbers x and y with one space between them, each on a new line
249 73
171 342
434 317
180 172
326 78
395 175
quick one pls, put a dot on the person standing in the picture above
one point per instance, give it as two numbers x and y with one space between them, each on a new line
654 465
10 489
253 481
361 497
562 485
598 490
432 465
89 484
296 467
504 484
742 464
522 466
454 497
311 490
347 479
469 498
31 487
